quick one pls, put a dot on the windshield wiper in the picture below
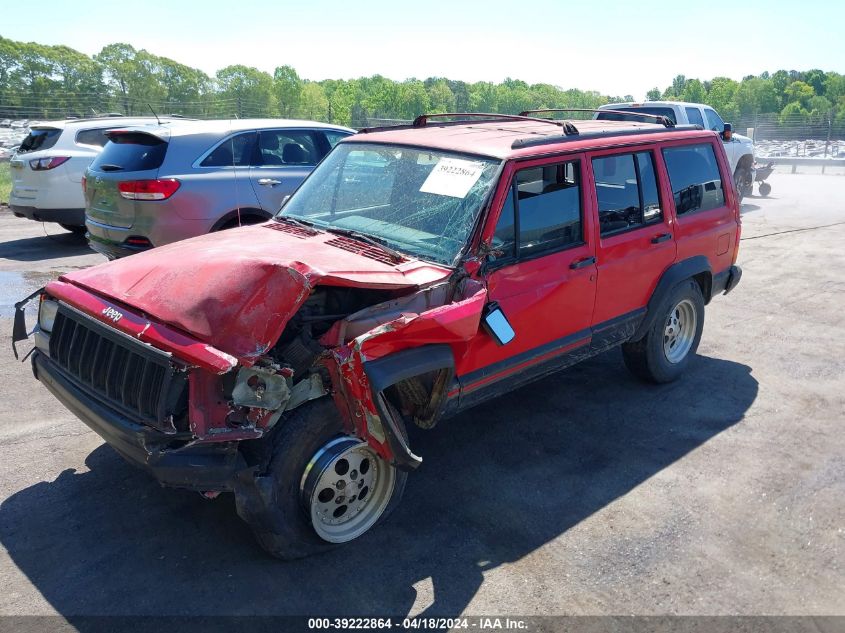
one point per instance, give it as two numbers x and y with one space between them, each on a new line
297 221
110 167
396 256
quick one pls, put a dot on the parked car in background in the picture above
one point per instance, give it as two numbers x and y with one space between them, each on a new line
155 185
48 167
6 123
739 148
417 272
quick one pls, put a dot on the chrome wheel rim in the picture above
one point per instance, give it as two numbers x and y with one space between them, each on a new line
345 488
679 331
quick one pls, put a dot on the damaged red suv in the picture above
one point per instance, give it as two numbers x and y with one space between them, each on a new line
418 271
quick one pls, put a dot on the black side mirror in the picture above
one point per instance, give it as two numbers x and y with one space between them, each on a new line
496 324
728 132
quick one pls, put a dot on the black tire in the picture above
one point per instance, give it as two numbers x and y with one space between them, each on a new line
765 189
270 502
744 183
76 230
646 358
245 220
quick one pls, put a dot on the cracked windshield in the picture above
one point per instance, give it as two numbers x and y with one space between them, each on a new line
420 202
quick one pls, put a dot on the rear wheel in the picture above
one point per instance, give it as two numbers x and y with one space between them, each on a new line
744 182
245 220
321 487
664 352
765 189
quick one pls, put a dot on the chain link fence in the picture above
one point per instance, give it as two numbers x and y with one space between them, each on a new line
811 137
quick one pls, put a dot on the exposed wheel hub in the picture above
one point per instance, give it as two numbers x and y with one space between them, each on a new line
345 489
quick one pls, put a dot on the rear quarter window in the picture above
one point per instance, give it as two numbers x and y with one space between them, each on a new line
695 178
131 152
334 136
235 151
631 115
95 138
39 139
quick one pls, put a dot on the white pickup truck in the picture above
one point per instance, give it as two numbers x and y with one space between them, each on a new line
740 149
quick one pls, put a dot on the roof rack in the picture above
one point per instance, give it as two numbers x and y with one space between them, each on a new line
627 131
664 120
422 121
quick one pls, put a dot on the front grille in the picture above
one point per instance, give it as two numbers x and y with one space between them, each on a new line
139 381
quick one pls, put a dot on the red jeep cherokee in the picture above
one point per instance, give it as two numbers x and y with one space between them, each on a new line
418 271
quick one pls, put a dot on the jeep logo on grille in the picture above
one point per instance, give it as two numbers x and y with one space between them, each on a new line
111 313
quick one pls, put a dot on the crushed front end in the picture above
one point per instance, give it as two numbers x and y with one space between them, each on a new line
183 409
134 394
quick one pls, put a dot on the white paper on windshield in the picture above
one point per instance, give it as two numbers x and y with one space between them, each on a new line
453 177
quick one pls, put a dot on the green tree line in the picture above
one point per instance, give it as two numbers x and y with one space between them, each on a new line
39 81
812 96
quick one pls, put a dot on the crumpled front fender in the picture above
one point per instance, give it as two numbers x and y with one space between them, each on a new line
363 404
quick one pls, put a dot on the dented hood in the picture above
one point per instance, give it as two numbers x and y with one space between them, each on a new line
237 289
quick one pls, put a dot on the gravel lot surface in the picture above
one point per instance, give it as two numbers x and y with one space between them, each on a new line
584 493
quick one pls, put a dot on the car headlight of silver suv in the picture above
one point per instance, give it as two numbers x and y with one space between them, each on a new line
47 314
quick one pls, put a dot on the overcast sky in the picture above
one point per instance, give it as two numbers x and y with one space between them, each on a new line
613 47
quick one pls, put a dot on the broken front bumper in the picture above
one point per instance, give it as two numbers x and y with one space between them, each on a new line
203 467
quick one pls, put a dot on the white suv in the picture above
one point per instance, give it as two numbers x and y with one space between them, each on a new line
740 149
48 168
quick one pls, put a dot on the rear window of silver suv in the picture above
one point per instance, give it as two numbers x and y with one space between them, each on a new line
38 139
131 152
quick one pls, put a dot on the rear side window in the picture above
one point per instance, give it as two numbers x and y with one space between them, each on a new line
626 191
131 152
97 138
287 147
39 139
542 212
633 118
334 137
694 116
234 151
695 179
714 121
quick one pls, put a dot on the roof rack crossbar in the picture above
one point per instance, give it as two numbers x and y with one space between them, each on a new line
664 120
568 128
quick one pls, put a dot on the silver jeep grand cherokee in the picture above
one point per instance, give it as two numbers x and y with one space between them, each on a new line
153 185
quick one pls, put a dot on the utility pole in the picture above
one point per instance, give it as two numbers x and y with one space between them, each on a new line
829 125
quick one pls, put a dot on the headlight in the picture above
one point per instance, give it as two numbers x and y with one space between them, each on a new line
47 314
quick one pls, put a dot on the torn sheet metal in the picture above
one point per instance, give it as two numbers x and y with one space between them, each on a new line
454 323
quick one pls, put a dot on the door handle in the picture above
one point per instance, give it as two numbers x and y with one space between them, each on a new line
269 182
661 238
580 263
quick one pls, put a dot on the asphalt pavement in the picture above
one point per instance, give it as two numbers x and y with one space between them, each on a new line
586 493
